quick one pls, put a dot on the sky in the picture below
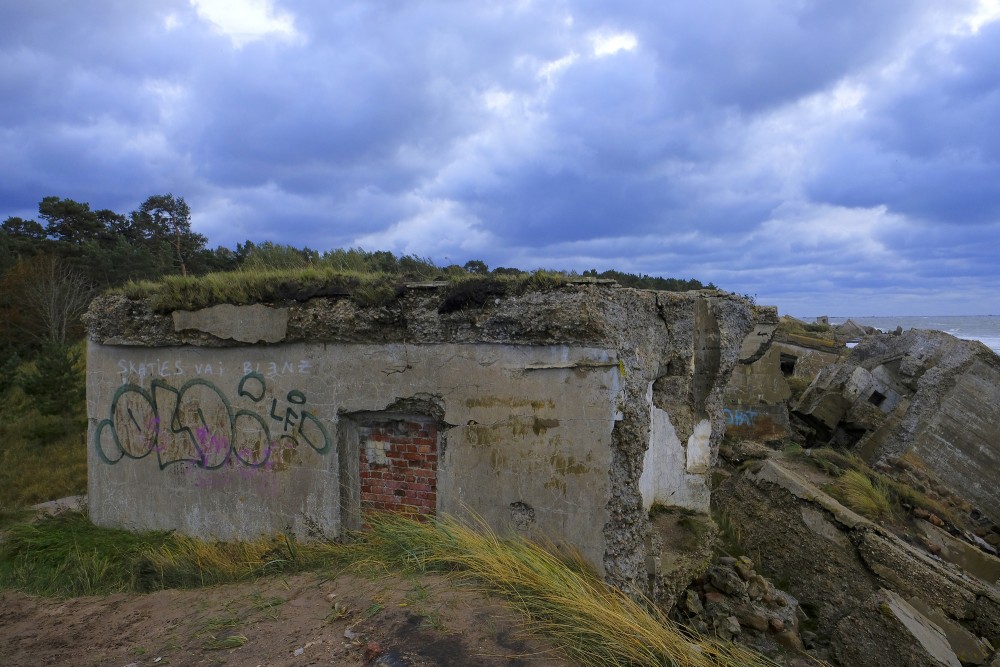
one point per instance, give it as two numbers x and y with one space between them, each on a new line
836 157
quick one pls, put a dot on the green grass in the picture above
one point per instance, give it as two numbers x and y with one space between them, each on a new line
366 289
839 464
861 494
563 599
66 555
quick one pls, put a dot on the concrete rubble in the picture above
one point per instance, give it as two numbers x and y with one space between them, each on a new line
923 397
867 597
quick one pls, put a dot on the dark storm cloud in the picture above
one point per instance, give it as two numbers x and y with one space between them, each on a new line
929 147
783 148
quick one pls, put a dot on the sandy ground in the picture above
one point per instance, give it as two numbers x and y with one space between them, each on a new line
387 620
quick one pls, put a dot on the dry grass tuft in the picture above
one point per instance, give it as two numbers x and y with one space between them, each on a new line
592 622
861 494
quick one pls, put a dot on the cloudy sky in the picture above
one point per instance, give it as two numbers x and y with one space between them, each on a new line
827 156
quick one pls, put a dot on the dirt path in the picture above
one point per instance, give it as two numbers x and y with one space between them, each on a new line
387 620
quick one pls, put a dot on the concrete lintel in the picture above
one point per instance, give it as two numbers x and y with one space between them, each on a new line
247 324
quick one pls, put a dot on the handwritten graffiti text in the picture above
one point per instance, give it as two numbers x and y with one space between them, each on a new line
199 424
740 417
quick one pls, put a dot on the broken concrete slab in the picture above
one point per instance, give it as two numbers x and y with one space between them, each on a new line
256 323
924 395
887 631
969 558
762 384
967 647
831 559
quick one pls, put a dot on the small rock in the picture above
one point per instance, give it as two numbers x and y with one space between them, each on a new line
331 597
731 625
759 588
744 568
714 596
727 560
776 624
726 581
372 651
920 513
789 639
390 659
299 651
749 617
692 603
350 634
934 519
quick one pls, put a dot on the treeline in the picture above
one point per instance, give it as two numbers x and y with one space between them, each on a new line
50 268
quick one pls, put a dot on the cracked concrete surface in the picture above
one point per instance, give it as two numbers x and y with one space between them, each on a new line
548 404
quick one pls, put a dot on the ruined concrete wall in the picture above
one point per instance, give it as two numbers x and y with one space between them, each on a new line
835 562
535 412
924 394
756 398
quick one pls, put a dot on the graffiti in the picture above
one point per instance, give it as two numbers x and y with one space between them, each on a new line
740 417
164 368
198 424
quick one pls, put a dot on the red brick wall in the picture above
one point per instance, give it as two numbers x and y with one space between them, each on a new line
403 478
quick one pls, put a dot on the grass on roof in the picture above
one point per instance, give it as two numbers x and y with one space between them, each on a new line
366 289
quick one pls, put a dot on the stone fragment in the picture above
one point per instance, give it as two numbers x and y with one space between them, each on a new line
726 580
789 639
372 651
691 603
744 568
247 324
752 617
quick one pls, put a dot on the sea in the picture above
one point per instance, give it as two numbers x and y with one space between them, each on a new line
985 328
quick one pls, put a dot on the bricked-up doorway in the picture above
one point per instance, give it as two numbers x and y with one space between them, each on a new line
389 462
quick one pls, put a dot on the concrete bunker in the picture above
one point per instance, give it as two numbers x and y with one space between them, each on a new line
565 412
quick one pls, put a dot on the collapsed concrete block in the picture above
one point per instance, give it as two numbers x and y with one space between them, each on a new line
924 395
887 631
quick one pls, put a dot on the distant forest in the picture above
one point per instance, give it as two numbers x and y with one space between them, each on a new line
50 268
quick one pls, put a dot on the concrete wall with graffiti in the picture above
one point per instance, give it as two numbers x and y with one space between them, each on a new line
561 413
756 399
236 442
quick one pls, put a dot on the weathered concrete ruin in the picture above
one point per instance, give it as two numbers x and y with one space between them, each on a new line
871 599
922 394
756 399
565 413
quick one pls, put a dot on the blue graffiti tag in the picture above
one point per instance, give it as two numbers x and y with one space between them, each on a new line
740 417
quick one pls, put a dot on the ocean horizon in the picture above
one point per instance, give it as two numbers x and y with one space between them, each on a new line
984 328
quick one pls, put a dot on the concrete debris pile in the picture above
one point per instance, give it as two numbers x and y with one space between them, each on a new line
922 396
735 602
871 598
